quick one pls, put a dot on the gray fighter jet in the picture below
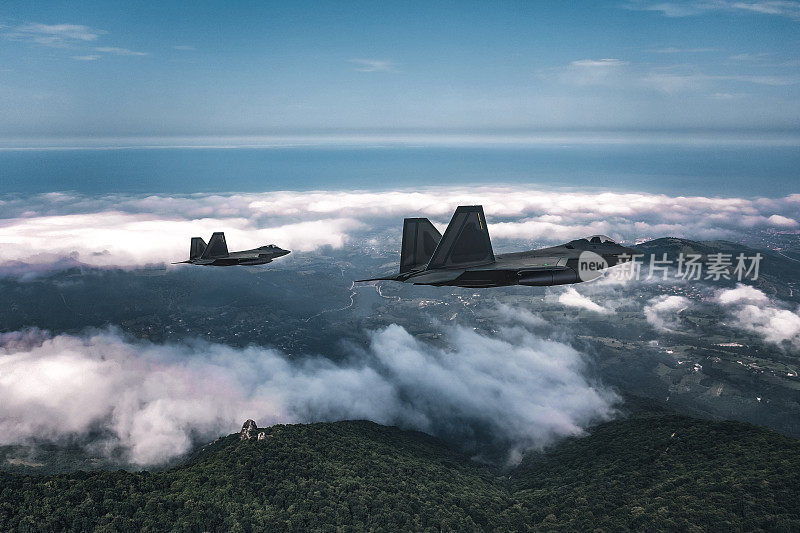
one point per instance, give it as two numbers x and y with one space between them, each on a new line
463 257
216 253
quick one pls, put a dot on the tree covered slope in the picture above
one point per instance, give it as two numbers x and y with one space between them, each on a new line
663 472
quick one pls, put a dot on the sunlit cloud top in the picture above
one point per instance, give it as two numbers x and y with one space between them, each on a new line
131 230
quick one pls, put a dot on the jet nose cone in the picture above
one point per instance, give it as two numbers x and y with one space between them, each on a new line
284 252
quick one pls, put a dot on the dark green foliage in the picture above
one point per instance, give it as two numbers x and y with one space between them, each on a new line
352 476
667 473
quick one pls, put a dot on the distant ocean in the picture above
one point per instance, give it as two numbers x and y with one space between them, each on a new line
676 169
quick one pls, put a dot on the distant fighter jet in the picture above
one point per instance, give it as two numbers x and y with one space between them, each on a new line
463 257
216 253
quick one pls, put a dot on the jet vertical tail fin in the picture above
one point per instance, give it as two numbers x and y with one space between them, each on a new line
420 239
197 248
217 247
465 242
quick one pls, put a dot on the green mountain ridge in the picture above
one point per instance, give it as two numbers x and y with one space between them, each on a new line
776 270
660 472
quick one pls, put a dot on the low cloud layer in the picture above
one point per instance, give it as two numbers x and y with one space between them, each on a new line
663 312
513 390
570 297
124 230
113 238
754 311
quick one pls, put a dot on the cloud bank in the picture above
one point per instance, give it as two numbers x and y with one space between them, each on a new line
513 390
127 230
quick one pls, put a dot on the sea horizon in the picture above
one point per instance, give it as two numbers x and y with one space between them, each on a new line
674 164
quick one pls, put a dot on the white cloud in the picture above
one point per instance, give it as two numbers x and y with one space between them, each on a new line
602 63
673 50
754 311
131 230
373 65
779 220
774 81
58 35
593 72
541 229
150 398
784 8
66 36
669 9
118 51
742 293
749 57
118 239
669 80
662 312
517 315
570 297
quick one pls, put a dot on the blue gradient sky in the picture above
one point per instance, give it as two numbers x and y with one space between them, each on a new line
261 68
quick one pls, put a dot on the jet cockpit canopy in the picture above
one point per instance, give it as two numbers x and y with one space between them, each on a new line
599 239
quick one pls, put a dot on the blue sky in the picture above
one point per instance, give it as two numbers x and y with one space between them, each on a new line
260 68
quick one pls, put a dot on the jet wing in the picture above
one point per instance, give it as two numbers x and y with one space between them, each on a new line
435 276
526 261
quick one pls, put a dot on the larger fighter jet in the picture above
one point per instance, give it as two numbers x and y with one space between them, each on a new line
463 257
216 253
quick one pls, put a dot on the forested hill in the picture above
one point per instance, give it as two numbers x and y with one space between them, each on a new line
662 472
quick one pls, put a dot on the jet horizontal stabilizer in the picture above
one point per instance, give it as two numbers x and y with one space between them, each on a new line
392 278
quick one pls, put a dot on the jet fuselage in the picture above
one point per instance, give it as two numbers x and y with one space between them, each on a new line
463 256
216 253
558 265
256 256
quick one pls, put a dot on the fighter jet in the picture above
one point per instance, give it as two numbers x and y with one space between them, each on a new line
216 253
463 257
